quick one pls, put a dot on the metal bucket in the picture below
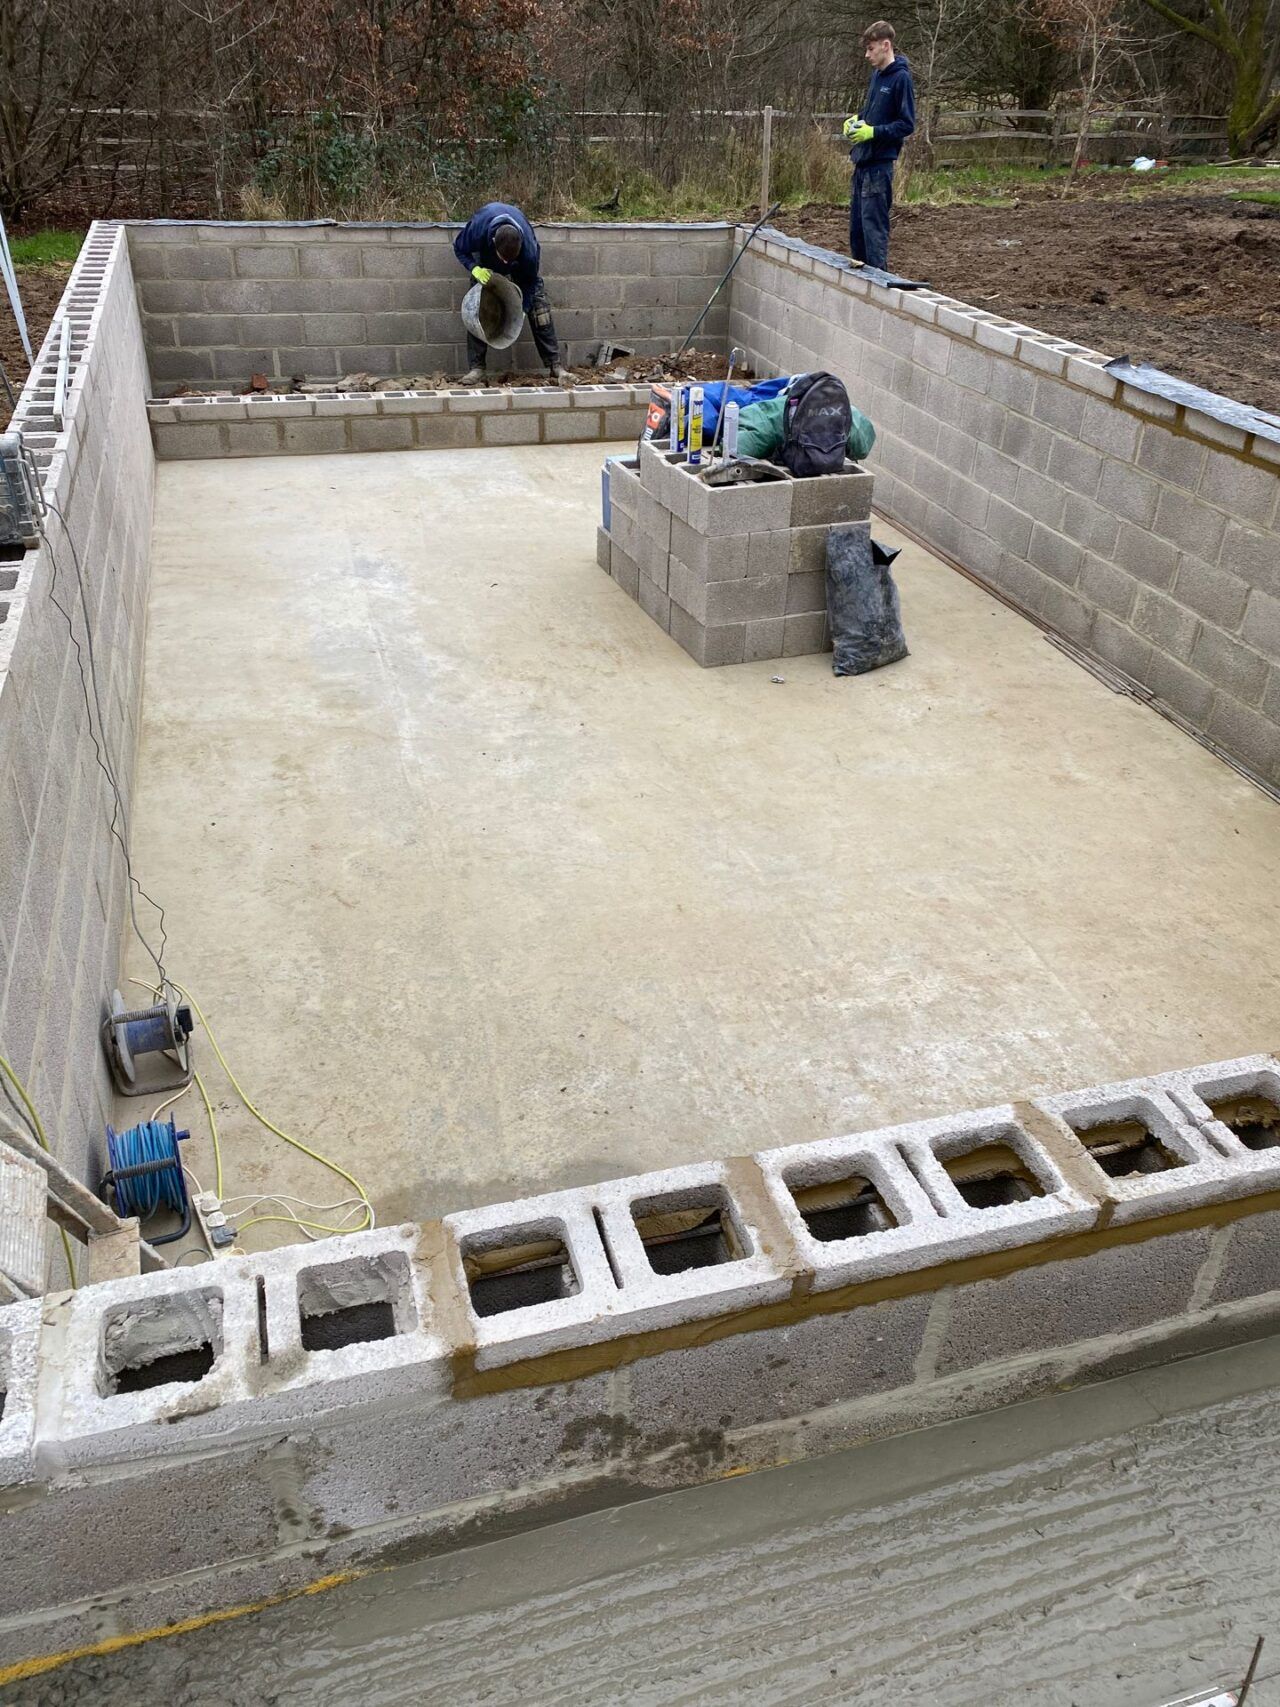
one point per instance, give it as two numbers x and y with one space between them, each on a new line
494 312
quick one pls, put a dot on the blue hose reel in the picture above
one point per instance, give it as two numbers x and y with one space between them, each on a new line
144 1176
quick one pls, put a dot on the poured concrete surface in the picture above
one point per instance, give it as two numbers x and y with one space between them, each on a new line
487 888
1109 1547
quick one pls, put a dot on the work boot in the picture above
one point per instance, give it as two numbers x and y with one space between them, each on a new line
473 376
556 375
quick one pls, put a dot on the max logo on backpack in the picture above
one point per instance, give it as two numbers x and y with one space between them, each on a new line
816 423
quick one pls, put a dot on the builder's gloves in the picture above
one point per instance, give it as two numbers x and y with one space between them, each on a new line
481 275
850 125
863 133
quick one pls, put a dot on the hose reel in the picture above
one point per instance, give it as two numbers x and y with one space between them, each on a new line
148 1049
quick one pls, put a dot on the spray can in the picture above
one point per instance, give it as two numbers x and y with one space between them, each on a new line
678 426
695 425
730 431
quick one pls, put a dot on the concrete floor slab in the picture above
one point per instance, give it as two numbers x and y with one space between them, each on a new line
487 888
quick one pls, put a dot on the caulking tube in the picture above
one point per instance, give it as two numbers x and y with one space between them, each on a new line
695 425
730 436
677 419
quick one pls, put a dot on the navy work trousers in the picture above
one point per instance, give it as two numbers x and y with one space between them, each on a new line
870 201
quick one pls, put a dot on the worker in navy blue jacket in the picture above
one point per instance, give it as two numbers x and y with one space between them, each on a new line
877 133
499 239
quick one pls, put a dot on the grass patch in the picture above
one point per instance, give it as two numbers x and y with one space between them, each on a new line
46 248
1268 198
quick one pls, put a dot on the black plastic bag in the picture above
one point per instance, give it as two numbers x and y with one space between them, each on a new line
862 601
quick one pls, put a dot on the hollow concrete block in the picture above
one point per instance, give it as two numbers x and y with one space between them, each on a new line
759 1265
581 1316
1250 1262
723 559
911 1242
1202 1175
654 601
624 570
624 487
306 1288
134 1322
829 498
805 632
602 549
928 1145
719 510
1249 1077
19 1363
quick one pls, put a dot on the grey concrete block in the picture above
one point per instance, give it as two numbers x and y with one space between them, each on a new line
510 429
746 599
624 570
1187 692
1254 556
1176 460
181 442
1059 406
763 640
447 432
768 553
724 644
1109 429
602 549
804 632
314 437
654 558
1026 442
1237 669
1009 526
1075 466
382 432
1261 626
393 261
654 602
688 589
198 261
1247 735
1105 585
1109 1292
1044 500
252 438
1139 553
576 424
1120 645
1190 523
1130 494
1055 554
997 473
265 261
719 559
1250 1265
717 511
1171 627
1214 593
1246 492
806 592
328 261
1013 386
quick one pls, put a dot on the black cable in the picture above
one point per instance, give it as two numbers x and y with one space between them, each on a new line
102 751
13 401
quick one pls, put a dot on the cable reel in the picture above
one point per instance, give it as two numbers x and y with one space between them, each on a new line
144 1176
148 1049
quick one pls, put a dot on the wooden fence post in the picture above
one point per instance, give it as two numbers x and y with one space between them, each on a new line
766 151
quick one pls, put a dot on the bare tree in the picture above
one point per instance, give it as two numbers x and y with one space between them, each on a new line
1247 35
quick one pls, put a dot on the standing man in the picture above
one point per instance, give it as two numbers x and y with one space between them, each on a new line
499 239
877 135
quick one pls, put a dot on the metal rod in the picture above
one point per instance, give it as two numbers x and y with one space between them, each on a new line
1247 1685
64 367
735 355
724 281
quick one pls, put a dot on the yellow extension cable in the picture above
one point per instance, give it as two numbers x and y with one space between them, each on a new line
21 1089
296 1143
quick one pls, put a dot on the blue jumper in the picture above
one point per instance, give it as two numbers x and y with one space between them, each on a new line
890 108
474 247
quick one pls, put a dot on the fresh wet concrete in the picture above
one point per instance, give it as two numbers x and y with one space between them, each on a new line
1114 1546
487 888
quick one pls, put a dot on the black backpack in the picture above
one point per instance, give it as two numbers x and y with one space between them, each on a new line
816 422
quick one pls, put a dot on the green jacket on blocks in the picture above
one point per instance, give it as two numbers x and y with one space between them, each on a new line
760 429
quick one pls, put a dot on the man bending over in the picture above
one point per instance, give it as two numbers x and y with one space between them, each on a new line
499 239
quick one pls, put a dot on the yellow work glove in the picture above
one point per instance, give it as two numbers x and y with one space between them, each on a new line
863 133
850 125
481 275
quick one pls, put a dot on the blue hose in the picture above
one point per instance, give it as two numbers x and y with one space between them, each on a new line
145 1173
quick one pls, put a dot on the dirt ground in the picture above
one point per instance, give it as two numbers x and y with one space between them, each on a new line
41 289
1191 283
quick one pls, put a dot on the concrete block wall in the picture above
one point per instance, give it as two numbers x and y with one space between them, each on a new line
261 424
222 301
249 1425
62 871
733 574
1146 532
